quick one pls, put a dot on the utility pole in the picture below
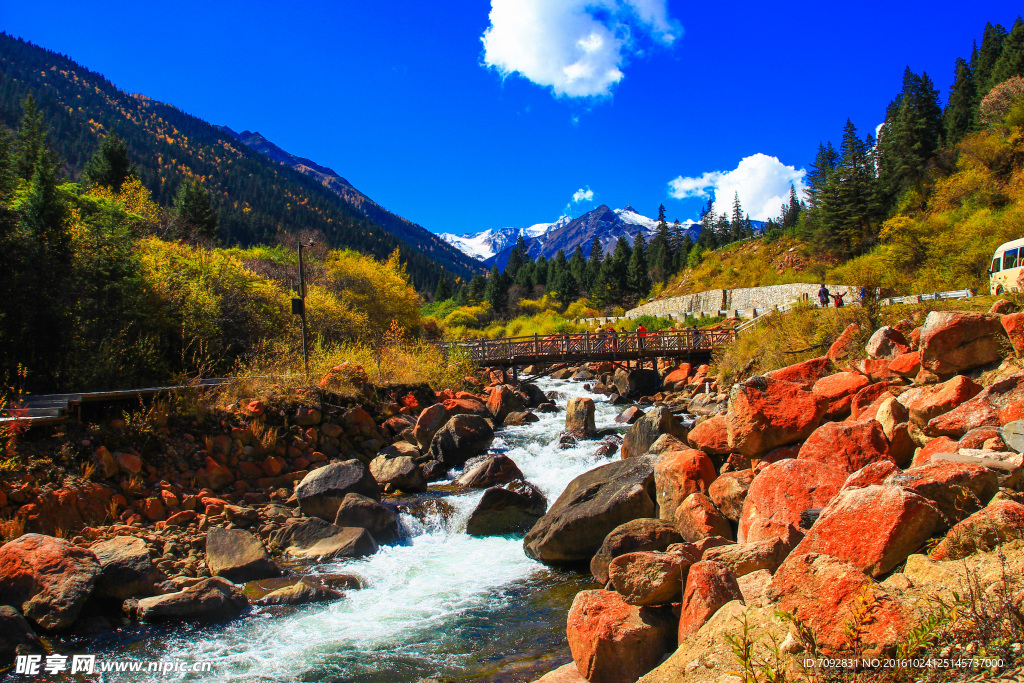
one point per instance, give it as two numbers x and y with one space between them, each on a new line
299 305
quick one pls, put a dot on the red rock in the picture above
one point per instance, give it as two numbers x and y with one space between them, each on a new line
838 391
1002 306
359 423
711 436
183 518
502 401
779 495
709 585
729 491
845 344
679 473
350 374
128 462
272 466
943 444
466 405
680 374
984 409
873 528
612 641
1011 413
169 498
977 437
106 466
767 413
806 373
952 341
697 518
48 579
875 473
998 523
567 673
877 370
823 592
902 445
153 509
248 470
887 343
79 504
931 401
1013 324
868 397
906 364
214 475
847 446
957 489
255 408
429 422
649 578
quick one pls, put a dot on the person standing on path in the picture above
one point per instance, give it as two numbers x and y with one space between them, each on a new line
641 334
823 295
615 339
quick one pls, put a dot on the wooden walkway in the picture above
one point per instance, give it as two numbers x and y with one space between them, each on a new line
589 347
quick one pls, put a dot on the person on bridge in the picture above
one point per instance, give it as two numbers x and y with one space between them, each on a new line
615 339
641 334
823 295
602 338
696 336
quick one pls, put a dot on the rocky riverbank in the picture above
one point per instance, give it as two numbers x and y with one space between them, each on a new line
864 504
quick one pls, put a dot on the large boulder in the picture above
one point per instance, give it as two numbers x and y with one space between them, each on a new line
125 568
824 593
638 535
729 491
709 585
985 409
838 391
398 474
887 342
679 473
429 421
512 508
766 413
614 642
47 578
873 528
953 341
644 432
649 578
311 537
16 636
805 373
502 401
781 493
592 505
747 558
636 382
999 522
462 438
303 591
929 402
579 418
321 491
488 471
697 518
957 489
466 405
238 556
366 513
847 446
711 436
209 599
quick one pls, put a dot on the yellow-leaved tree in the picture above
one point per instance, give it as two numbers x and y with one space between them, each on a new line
380 291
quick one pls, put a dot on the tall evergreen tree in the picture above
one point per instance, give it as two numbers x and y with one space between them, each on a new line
849 206
821 171
496 292
477 288
443 292
594 262
961 112
660 254
31 143
580 272
516 258
638 279
910 135
540 272
110 165
736 226
790 211
1011 59
988 54
194 210
680 243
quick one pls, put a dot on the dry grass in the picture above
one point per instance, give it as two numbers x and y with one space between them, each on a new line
12 528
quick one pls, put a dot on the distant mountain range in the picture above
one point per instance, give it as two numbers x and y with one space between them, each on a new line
546 239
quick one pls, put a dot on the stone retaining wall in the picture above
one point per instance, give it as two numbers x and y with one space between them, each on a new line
745 299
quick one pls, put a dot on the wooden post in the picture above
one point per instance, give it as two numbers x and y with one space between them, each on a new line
535 348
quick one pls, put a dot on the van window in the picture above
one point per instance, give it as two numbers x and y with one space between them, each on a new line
1009 259
995 264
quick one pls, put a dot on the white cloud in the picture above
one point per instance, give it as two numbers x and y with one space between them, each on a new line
575 47
583 195
762 182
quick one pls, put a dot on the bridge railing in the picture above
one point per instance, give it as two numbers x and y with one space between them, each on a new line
582 345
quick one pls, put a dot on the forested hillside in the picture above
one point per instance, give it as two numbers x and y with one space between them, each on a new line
255 199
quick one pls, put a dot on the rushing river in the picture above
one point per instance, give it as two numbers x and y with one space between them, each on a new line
444 604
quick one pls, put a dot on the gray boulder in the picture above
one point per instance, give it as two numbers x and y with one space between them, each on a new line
489 471
303 591
209 599
366 513
125 569
314 538
591 506
238 556
645 431
398 474
638 535
509 509
321 491
16 636
463 437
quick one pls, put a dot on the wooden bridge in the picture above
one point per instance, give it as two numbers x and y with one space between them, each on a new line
586 347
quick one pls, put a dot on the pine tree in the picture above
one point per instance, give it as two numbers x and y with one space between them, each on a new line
1011 59
443 291
821 170
110 166
594 262
791 211
194 211
960 116
31 142
638 279
540 272
477 288
496 292
910 135
736 226
580 272
849 208
681 243
660 254
516 258
988 54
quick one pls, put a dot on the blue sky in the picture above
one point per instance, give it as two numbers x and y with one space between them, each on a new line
618 98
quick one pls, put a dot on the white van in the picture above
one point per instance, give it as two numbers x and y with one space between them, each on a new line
1006 267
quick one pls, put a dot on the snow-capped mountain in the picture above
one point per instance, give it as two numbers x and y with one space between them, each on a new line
545 239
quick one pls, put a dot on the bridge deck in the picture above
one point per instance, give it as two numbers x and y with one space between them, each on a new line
588 347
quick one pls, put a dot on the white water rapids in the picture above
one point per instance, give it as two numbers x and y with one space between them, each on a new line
444 604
